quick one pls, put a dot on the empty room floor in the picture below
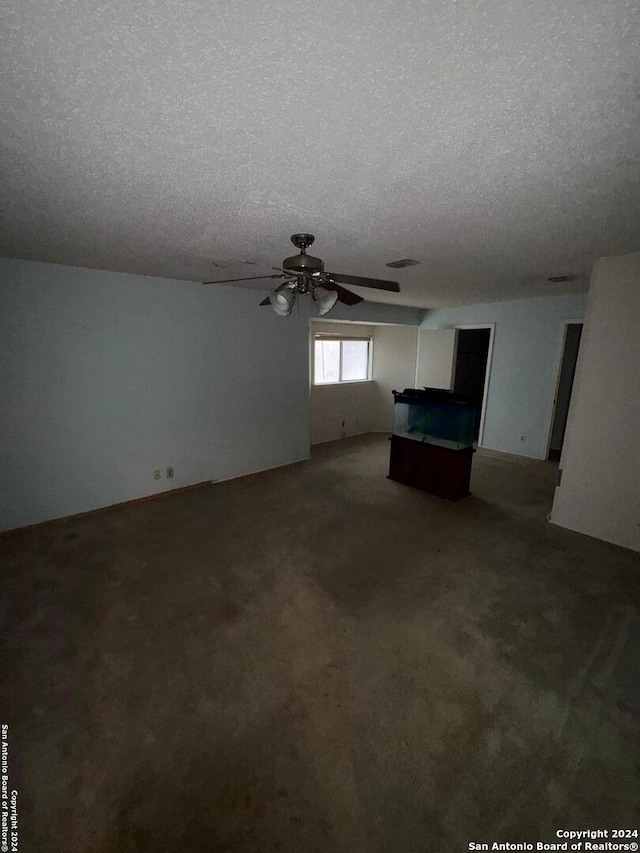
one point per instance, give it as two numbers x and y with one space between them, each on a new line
320 659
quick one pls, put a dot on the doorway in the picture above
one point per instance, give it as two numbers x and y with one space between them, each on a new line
472 368
571 347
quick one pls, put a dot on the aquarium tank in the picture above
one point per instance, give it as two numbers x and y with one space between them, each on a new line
434 417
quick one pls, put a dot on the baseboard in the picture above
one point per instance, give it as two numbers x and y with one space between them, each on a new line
631 548
512 453
64 519
154 497
389 432
260 470
342 437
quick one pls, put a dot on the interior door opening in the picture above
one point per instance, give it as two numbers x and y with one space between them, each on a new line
471 368
573 333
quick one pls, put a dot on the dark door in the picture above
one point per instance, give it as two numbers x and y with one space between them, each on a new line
565 387
471 367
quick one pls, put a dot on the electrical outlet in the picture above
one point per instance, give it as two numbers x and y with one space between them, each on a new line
169 472
157 475
523 438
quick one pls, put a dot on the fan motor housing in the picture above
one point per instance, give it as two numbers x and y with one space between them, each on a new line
303 263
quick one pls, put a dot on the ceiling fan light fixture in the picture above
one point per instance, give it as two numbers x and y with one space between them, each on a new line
305 274
282 300
325 299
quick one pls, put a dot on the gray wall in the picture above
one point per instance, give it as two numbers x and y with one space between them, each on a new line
105 377
377 312
525 363
600 489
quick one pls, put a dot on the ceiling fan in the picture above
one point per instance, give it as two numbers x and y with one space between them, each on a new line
303 273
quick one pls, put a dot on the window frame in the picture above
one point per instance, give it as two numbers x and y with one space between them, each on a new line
327 336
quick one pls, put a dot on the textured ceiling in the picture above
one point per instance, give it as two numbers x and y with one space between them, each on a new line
497 142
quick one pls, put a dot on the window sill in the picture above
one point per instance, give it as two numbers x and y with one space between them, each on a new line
336 384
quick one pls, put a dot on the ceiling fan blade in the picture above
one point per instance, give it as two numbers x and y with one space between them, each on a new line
249 278
378 283
344 295
288 273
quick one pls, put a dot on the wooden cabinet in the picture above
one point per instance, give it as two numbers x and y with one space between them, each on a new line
438 470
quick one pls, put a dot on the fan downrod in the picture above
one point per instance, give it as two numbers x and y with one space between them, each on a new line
302 241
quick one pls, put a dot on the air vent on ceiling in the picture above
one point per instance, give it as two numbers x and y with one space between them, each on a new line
558 279
404 262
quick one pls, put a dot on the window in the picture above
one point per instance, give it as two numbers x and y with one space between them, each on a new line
339 359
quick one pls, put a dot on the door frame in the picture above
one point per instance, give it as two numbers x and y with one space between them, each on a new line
487 372
556 384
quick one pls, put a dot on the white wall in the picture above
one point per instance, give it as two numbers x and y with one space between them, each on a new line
364 406
394 367
524 369
436 358
600 489
333 405
105 377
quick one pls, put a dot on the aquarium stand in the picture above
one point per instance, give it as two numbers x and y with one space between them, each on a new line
437 470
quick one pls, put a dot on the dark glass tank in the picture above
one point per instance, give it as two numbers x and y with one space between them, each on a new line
434 416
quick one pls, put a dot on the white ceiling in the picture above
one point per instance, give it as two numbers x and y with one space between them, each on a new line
496 142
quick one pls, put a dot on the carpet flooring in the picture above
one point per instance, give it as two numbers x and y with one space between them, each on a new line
320 659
